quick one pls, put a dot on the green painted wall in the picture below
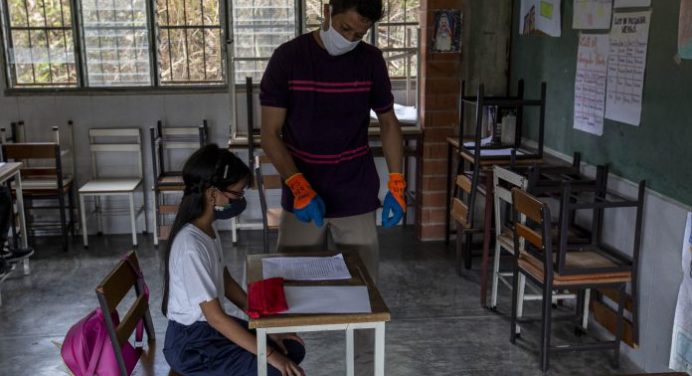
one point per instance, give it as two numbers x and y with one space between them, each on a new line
660 149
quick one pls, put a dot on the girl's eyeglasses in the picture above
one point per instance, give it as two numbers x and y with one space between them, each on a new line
236 195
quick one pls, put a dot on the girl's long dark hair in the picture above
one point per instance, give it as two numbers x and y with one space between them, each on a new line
207 167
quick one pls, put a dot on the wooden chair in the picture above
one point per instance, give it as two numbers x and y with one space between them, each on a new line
462 213
526 179
167 144
267 181
47 182
111 291
580 268
105 143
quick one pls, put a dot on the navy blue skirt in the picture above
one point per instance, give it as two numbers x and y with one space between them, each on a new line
199 349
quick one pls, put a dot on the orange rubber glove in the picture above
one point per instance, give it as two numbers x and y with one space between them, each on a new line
307 205
394 205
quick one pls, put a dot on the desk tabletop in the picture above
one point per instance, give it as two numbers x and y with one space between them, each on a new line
359 276
8 169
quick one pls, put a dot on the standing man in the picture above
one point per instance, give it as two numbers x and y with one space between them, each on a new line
316 97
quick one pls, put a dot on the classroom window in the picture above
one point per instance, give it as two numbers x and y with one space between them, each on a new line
115 47
259 27
40 43
190 42
116 42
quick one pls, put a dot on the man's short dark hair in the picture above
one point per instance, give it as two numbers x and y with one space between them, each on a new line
370 9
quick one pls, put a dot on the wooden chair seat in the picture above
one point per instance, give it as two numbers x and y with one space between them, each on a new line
577 259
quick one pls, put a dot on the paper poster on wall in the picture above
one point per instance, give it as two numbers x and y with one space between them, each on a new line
685 33
590 83
447 31
629 38
540 17
681 345
592 14
632 3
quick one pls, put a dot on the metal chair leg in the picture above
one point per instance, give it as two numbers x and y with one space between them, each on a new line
619 326
513 318
545 330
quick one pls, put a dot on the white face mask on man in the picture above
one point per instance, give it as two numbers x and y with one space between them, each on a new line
334 42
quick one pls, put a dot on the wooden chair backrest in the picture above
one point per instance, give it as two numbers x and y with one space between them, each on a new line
530 207
113 289
460 209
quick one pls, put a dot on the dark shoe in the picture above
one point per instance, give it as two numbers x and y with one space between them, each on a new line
12 255
4 267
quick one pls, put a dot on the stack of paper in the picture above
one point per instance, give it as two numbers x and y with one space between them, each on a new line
306 268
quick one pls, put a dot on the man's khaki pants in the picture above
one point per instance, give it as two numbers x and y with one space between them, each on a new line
356 233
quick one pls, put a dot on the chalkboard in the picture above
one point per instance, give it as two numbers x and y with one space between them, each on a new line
660 149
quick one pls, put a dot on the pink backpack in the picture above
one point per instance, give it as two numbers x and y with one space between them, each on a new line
87 349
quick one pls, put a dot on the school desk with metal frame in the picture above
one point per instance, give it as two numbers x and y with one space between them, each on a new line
295 323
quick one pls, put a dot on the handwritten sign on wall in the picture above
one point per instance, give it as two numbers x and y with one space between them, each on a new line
629 38
590 82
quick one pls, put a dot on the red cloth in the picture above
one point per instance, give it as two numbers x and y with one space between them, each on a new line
266 297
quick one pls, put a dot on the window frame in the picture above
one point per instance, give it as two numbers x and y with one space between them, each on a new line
227 55
81 87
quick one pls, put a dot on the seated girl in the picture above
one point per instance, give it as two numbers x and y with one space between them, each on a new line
201 339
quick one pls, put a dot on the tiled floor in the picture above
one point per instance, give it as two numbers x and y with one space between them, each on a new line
438 327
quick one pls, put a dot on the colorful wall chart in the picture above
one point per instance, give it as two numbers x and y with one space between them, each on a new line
540 17
592 14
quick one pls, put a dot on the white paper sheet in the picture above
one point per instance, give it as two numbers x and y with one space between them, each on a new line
306 268
405 114
681 345
592 14
484 141
327 299
590 83
629 39
632 3
499 152
542 16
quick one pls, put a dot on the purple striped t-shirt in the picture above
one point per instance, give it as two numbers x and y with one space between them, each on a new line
328 101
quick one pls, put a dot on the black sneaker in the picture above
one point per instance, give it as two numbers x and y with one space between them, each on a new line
12 255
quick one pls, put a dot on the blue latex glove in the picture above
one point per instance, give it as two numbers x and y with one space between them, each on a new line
392 212
314 211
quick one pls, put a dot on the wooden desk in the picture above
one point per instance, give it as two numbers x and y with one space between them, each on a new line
321 322
8 171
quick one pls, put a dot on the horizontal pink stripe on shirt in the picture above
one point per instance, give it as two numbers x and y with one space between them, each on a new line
330 84
333 161
320 90
327 156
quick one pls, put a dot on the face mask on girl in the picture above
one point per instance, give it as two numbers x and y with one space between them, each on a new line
334 42
230 210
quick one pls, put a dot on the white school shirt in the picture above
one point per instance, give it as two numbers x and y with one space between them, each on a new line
196 268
